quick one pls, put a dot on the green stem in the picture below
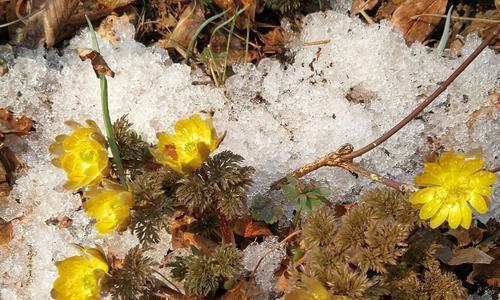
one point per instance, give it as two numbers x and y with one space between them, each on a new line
229 42
296 219
197 32
108 126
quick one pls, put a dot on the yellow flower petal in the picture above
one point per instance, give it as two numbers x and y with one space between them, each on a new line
298 295
110 206
477 201
430 208
450 161
472 165
466 215
483 178
423 196
439 217
428 179
454 216
189 148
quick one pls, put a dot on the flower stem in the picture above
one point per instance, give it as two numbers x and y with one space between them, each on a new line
108 126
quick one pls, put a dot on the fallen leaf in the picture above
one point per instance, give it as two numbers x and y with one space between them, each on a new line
483 28
462 236
283 284
98 63
183 239
6 232
243 290
489 273
467 256
246 227
274 40
358 5
189 21
114 4
9 163
14 125
107 27
418 29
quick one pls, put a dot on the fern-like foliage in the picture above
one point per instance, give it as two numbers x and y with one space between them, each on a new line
230 182
202 274
135 279
348 283
354 225
133 149
153 204
222 184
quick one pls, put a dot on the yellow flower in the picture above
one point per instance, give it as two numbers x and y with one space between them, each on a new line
312 290
454 184
110 206
82 154
81 277
191 145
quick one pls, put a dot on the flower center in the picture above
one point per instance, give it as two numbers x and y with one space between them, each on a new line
456 188
87 155
190 148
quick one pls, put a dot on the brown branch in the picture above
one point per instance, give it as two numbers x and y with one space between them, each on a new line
276 246
427 101
343 155
495 169
373 176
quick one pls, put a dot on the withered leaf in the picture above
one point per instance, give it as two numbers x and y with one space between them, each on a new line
114 4
183 239
98 63
489 273
191 18
6 232
274 40
462 236
9 163
418 29
358 5
468 256
15 125
246 227
243 290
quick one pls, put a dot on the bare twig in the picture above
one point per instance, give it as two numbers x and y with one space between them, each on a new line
345 153
495 169
457 18
291 235
373 176
314 43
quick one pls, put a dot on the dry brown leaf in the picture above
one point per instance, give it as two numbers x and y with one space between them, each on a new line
247 227
418 29
191 18
6 232
274 40
243 290
9 124
482 28
462 236
9 163
469 256
114 4
283 283
107 28
487 273
358 5
183 239
98 63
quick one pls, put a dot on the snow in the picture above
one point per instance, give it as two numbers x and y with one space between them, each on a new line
278 116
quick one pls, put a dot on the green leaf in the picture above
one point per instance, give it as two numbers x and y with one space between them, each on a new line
292 180
263 209
196 251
